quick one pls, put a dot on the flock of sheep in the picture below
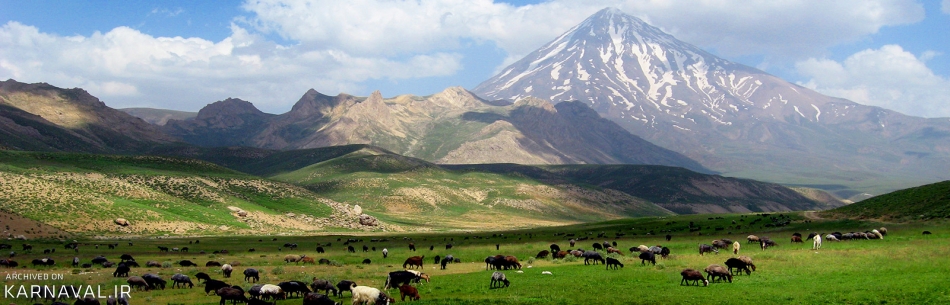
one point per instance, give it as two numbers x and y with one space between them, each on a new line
403 279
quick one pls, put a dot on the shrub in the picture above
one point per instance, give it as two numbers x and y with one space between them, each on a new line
277 270
569 259
167 265
530 260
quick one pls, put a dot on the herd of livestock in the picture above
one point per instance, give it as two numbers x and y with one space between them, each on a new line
320 291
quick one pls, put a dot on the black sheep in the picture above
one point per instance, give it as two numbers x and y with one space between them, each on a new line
136 281
231 293
214 285
324 285
154 281
187 263
313 298
613 262
251 273
121 271
593 255
738 265
647 257
294 287
345 285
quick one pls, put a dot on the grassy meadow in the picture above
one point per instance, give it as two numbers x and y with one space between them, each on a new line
903 268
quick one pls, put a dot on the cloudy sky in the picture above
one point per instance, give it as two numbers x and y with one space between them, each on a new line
186 54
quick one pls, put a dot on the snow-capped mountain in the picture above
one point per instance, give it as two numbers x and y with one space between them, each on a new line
730 117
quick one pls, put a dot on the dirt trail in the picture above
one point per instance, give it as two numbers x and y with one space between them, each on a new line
813 215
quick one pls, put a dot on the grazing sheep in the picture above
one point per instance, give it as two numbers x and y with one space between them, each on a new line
345 285
121 271
182 279
269 291
692 275
613 262
154 281
748 261
704 248
411 292
87 301
512 262
397 278
643 248
647 257
412 247
99 260
155 264
202 276
738 265
831 237
797 239
292 288
365 295
323 261
232 294
187 263
665 252
593 255
413 262
499 278
292 258
385 253
324 285
251 273
226 269
598 246
753 239
137 281
214 285
321 250
719 244
767 243
542 254
735 247
878 234
313 298
614 250
126 257
816 244
883 230
927 233
718 272
307 260
669 237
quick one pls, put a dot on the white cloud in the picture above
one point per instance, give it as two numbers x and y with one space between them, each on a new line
125 67
336 46
889 77
779 28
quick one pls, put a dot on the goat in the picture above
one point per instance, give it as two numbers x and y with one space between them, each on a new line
412 262
593 255
251 273
137 281
411 292
718 272
182 279
816 244
738 265
647 257
748 261
324 285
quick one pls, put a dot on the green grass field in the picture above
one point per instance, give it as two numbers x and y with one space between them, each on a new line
903 268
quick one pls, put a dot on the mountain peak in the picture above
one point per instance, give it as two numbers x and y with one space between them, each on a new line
228 107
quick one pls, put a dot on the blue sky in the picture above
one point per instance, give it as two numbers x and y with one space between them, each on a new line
186 54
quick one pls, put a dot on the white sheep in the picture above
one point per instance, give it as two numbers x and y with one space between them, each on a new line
878 233
643 248
365 295
272 291
735 247
831 237
817 242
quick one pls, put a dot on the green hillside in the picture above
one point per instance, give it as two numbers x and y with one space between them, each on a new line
409 191
922 202
85 193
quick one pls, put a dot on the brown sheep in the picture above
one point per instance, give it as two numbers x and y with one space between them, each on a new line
137 281
614 250
512 262
307 260
748 261
412 262
560 254
542 254
718 272
407 290
692 275
753 239
797 239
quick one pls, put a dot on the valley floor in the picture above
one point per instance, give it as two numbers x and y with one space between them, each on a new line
905 267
